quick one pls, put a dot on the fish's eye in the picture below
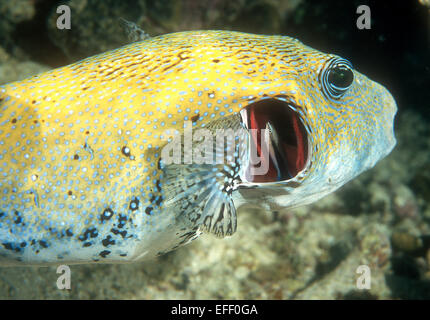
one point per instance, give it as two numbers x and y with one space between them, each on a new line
336 77
340 77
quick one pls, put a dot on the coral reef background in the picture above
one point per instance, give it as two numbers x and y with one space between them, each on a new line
381 219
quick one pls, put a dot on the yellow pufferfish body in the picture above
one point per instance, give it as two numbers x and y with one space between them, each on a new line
81 174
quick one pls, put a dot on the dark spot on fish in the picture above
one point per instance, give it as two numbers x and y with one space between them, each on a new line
17 219
148 210
108 241
13 120
8 246
104 253
125 151
215 60
2 214
123 255
33 102
43 243
23 244
87 132
195 118
87 244
69 232
107 214
122 219
85 88
156 199
69 192
116 232
90 232
75 157
35 121
134 204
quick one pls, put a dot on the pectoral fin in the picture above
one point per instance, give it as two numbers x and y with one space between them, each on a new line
203 195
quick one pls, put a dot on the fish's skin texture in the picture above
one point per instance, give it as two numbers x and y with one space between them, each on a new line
80 177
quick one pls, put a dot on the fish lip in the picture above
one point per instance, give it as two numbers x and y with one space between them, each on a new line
301 170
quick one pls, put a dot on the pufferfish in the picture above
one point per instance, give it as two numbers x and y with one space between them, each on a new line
82 174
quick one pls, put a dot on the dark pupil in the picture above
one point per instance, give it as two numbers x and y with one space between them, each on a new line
341 77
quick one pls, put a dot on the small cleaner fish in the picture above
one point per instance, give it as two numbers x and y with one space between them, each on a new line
82 173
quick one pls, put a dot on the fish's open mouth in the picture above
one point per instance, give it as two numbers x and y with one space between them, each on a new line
283 152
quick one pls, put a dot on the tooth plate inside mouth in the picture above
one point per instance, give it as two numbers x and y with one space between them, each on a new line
282 151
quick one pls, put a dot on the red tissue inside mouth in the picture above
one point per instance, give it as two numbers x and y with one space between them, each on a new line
288 155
